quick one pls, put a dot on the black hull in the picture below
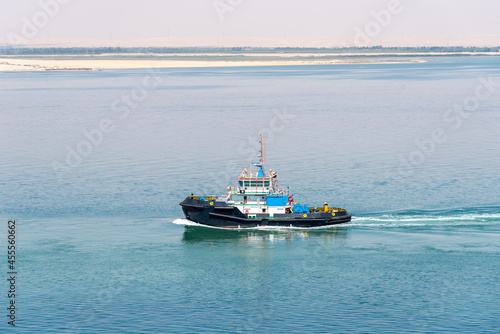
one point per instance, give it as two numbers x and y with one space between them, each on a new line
219 214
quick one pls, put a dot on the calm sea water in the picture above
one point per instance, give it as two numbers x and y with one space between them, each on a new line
94 164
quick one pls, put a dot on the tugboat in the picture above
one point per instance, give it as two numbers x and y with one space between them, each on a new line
258 201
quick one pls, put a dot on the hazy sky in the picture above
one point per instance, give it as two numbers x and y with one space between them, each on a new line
250 22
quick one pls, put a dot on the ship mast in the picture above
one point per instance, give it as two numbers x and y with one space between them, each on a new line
262 153
262 157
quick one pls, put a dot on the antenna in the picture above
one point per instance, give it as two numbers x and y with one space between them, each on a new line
262 157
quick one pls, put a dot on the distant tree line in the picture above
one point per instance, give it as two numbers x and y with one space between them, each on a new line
10 50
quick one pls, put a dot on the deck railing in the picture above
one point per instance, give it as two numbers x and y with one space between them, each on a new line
258 190
205 198
322 209
252 174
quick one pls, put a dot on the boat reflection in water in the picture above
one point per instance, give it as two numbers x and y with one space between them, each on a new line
197 234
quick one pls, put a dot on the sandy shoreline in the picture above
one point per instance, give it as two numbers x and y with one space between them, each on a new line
87 63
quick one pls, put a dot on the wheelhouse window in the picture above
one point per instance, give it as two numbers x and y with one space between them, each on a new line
254 183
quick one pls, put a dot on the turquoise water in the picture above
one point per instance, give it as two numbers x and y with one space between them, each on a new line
410 150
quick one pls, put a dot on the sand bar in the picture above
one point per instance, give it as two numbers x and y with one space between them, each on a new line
86 63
